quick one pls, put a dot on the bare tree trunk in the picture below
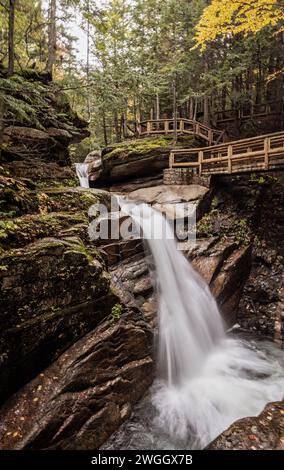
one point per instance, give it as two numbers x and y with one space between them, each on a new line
11 42
51 36
124 125
157 106
2 111
88 62
175 108
206 116
195 109
135 115
191 108
117 127
104 127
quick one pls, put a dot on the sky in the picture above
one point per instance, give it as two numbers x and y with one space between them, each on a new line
81 44
77 31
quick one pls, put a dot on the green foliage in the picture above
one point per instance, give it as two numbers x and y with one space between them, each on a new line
116 313
204 228
137 147
6 227
257 179
242 232
215 202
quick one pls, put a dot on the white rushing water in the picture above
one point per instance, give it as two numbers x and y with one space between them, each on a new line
83 174
206 380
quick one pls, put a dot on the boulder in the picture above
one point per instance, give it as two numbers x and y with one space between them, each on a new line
41 312
60 134
43 126
86 393
20 133
225 266
94 160
38 170
263 432
139 158
175 201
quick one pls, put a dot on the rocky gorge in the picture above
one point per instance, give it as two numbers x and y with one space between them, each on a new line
78 318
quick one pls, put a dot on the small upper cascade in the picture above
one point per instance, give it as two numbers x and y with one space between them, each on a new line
82 170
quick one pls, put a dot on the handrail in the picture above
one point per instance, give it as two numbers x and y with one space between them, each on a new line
184 126
264 152
246 112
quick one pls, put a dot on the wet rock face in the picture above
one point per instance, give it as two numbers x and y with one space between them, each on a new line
225 267
86 393
240 239
54 286
175 201
264 432
138 158
262 306
38 140
52 292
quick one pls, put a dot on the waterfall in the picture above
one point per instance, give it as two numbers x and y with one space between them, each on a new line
82 173
207 379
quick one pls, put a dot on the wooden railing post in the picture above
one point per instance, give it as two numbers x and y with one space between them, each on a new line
210 136
197 129
171 160
149 127
200 160
181 125
266 152
230 153
166 127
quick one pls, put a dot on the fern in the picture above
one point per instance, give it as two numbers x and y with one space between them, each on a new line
22 111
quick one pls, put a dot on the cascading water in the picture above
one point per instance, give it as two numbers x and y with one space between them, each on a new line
207 379
83 174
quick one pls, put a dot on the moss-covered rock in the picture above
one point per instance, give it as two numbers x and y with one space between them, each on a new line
52 292
44 125
138 157
85 395
263 432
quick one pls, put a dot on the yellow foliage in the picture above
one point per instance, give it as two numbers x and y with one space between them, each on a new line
227 18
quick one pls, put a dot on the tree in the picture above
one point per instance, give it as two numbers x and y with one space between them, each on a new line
51 36
11 43
223 18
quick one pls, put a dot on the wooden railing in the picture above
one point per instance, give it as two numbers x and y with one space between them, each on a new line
258 153
249 112
184 126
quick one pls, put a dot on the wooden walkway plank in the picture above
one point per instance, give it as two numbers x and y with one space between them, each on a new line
257 153
184 126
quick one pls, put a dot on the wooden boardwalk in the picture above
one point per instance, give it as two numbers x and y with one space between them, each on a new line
184 126
255 154
256 111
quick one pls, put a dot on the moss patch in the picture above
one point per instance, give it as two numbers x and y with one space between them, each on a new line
141 147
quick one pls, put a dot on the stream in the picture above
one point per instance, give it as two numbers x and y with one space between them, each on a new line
206 379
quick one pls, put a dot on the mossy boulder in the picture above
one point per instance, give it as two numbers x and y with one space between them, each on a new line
87 393
262 432
52 292
44 125
138 157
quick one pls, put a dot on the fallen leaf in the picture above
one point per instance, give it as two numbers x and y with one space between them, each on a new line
252 437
